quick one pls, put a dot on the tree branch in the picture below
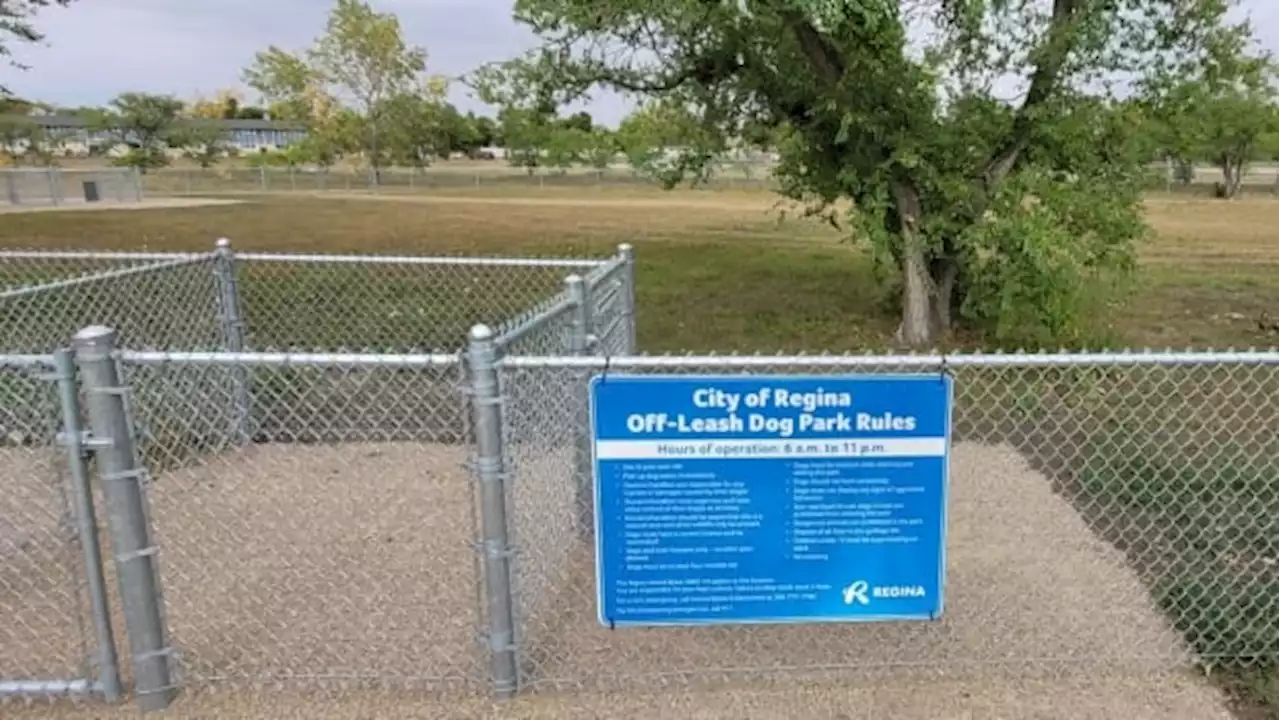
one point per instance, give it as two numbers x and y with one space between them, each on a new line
824 58
1043 80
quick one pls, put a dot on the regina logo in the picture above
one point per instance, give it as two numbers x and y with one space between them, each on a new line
856 593
861 593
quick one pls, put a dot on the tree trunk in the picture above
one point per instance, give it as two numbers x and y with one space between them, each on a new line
919 326
945 272
1232 174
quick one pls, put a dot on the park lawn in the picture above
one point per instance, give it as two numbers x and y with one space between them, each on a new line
717 269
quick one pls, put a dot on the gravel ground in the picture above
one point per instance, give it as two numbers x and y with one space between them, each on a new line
355 560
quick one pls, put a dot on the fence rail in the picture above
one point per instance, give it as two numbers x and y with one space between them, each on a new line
424 519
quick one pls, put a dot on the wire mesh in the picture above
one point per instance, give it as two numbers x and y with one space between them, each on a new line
1113 514
335 548
384 306
153 304
607 292
44 635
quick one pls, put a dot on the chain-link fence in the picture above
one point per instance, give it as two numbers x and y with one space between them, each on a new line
55 639
498 176
424 519
223 300
495 175
210 439
1108 509
63 186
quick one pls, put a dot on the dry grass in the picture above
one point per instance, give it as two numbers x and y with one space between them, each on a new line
718 269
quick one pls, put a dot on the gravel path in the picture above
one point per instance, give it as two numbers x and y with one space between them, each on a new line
145 204
355 560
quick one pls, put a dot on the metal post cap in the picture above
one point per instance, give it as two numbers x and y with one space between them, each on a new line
94 334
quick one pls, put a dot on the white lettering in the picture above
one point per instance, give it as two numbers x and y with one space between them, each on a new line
783 427
810 401
716 398
885 421
897 591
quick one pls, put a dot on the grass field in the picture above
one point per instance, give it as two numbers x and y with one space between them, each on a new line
719 271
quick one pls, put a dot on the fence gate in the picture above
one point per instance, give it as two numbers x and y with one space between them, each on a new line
55 632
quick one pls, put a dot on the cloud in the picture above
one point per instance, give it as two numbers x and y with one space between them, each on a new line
99 48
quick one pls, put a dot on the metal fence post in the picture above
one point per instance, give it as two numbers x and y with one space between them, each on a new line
135 175
232 325
628 254
122 477
262 177
580 343
108 674
11 187
52 178
490 469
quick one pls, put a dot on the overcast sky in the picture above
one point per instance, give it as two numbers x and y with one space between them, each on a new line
96 49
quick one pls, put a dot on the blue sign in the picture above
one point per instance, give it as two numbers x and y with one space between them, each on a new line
737 499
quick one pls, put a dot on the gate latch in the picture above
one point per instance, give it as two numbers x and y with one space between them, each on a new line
86 440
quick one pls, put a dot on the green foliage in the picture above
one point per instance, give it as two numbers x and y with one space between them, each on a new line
566 146
360 63
942 175
204 143
666 141
146 123
420 128
525 135
285 82
17 136
1223 111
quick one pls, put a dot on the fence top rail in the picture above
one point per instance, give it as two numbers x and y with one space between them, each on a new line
326 359
97 255
26 361
932 362
459 260
102 276
420 260
538 318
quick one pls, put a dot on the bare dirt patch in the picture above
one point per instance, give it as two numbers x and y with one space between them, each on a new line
321 564
163 203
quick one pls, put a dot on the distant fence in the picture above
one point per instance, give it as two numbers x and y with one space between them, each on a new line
194 181
288 504
63 186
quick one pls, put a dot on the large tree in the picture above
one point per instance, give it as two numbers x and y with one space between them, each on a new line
361 61
897 113
362 55
1223 111
146 123
16 24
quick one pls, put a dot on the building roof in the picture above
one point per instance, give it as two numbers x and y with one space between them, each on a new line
76 121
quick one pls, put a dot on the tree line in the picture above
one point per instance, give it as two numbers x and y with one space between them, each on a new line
361 92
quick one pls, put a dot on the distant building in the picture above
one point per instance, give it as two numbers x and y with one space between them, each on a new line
75 137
